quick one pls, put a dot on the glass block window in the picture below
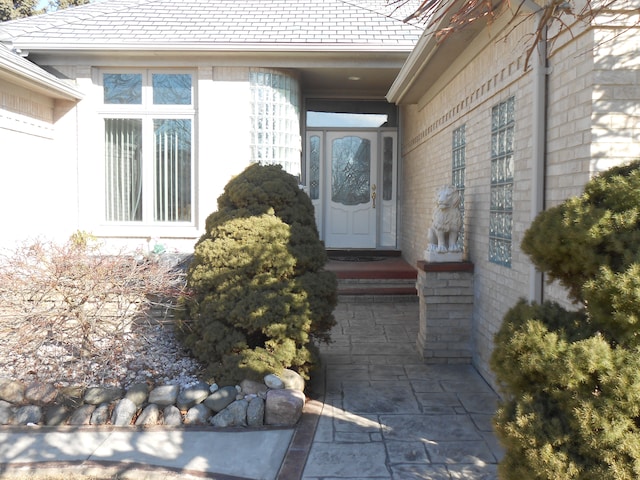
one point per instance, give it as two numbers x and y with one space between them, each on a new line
275 119
502 167
458 169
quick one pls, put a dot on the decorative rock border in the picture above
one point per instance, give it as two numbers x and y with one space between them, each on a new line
278 401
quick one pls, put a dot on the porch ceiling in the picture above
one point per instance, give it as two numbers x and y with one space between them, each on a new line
348 73
351 82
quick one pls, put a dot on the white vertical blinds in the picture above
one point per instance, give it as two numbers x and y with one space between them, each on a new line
148 146
123 174
172 167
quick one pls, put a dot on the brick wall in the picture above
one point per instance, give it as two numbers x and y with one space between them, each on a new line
493 76
593 123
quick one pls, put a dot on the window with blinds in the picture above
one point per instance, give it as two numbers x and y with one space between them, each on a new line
148 147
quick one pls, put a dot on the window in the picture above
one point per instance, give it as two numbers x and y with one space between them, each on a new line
387 167
148 131
501 208
275 120
314 167
458 169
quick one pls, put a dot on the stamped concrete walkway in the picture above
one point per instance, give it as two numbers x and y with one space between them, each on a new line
387 415
377 413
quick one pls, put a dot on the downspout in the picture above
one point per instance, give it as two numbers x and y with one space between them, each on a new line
539 137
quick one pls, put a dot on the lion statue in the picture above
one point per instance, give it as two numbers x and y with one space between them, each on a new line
442 236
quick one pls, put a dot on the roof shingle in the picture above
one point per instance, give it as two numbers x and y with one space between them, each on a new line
370 24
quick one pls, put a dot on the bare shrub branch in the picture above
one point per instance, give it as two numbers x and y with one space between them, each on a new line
558 16
74 303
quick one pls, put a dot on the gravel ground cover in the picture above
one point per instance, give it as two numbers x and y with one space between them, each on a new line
149 352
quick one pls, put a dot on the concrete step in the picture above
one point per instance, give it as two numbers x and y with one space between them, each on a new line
366 278
386 286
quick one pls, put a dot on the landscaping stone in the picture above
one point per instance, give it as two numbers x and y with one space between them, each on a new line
100 415
11 391
55 415
149 416
7 412
283 407
230 406
40 393
255 412
292 380
28 414
98 395
164 395
82 416
235 415
221 399
191 396
124 412
171 416
197 415
273 381
250 387
138 393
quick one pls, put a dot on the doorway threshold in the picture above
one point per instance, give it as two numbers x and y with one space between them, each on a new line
356 253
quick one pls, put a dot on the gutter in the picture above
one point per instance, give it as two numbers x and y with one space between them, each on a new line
412 67
539 124
207 47
13 66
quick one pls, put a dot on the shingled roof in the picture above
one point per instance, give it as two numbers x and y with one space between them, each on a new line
220 24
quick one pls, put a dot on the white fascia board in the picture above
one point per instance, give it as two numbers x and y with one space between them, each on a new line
415 63
30 75
419 57
215 47
425 51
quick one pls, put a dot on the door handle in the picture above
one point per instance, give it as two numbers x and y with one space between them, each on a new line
373 194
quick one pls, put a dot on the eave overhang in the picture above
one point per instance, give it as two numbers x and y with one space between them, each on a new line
19 71
431 58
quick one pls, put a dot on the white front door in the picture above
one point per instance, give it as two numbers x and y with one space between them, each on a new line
351 190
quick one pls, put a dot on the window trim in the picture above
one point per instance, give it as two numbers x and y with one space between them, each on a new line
148 112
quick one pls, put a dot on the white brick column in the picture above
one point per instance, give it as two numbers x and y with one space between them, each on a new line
445 291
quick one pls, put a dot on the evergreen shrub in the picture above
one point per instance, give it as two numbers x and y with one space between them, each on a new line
260 297
571 379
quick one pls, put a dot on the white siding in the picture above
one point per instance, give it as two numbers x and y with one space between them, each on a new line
38 193
221 150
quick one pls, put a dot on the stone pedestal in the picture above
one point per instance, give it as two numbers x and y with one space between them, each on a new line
445 291
448 257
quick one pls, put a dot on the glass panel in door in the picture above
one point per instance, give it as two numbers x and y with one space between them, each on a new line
351 169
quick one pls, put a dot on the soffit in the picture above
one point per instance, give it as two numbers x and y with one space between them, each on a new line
17 70
431 58
345 74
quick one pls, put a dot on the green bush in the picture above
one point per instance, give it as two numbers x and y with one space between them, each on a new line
260 297
571 379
